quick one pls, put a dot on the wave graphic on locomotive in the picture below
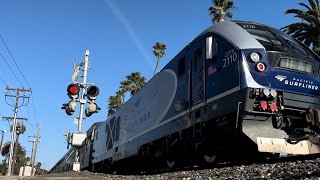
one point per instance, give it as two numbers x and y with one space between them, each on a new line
238 85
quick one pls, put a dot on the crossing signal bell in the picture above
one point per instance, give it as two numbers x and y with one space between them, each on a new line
70 107
92 108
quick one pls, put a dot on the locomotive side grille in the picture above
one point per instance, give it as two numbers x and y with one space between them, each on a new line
300 101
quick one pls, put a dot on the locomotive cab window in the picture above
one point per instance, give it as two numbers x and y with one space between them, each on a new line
197 57
296 65
211 48
283 51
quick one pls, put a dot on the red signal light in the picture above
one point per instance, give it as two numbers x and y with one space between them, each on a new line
73 89
263 105
273 107
261 67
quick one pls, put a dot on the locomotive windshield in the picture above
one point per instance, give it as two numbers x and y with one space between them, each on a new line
301 58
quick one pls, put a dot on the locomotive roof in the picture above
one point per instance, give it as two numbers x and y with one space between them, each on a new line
234 33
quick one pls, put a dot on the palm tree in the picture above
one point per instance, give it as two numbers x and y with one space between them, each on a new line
132 84
159 51
220 10
110 111
306 31
115 102
135 82
124 88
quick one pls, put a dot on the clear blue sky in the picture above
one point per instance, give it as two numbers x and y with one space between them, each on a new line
44 37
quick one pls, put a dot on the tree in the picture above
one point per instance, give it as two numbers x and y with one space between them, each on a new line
21 159
38 168
124 88
115 102
221 10
135 82
6 149
20 129
159 51
132 84
307 31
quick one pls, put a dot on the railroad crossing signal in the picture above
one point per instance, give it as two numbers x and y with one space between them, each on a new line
73 91
92 93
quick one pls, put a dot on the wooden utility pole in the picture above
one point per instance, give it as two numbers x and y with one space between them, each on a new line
34 149
2 136
15 146
20 93
33 145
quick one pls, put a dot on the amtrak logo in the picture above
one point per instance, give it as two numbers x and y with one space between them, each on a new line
297 82
280 77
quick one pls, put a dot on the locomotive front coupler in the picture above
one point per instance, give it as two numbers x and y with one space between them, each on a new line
315 139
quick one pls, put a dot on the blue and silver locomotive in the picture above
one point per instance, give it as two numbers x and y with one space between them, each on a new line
238 85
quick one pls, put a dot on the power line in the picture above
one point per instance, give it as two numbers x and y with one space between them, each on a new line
34 112
34 109
3 81
14 61
10 96
32 126
10 68
6 85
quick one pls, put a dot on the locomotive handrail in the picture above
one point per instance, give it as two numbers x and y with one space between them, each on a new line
293 109
258 112
238 113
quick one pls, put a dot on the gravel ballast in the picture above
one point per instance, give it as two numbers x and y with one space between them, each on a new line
301 169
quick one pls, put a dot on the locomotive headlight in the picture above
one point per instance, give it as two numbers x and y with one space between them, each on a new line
266 92
255 57
273 93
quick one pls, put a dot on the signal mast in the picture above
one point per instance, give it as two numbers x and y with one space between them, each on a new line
91 92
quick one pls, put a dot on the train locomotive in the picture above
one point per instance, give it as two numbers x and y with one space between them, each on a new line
238 86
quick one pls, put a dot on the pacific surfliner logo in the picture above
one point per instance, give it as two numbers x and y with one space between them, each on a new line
307 84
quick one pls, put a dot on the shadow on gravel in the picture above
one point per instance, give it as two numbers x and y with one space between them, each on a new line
287 169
